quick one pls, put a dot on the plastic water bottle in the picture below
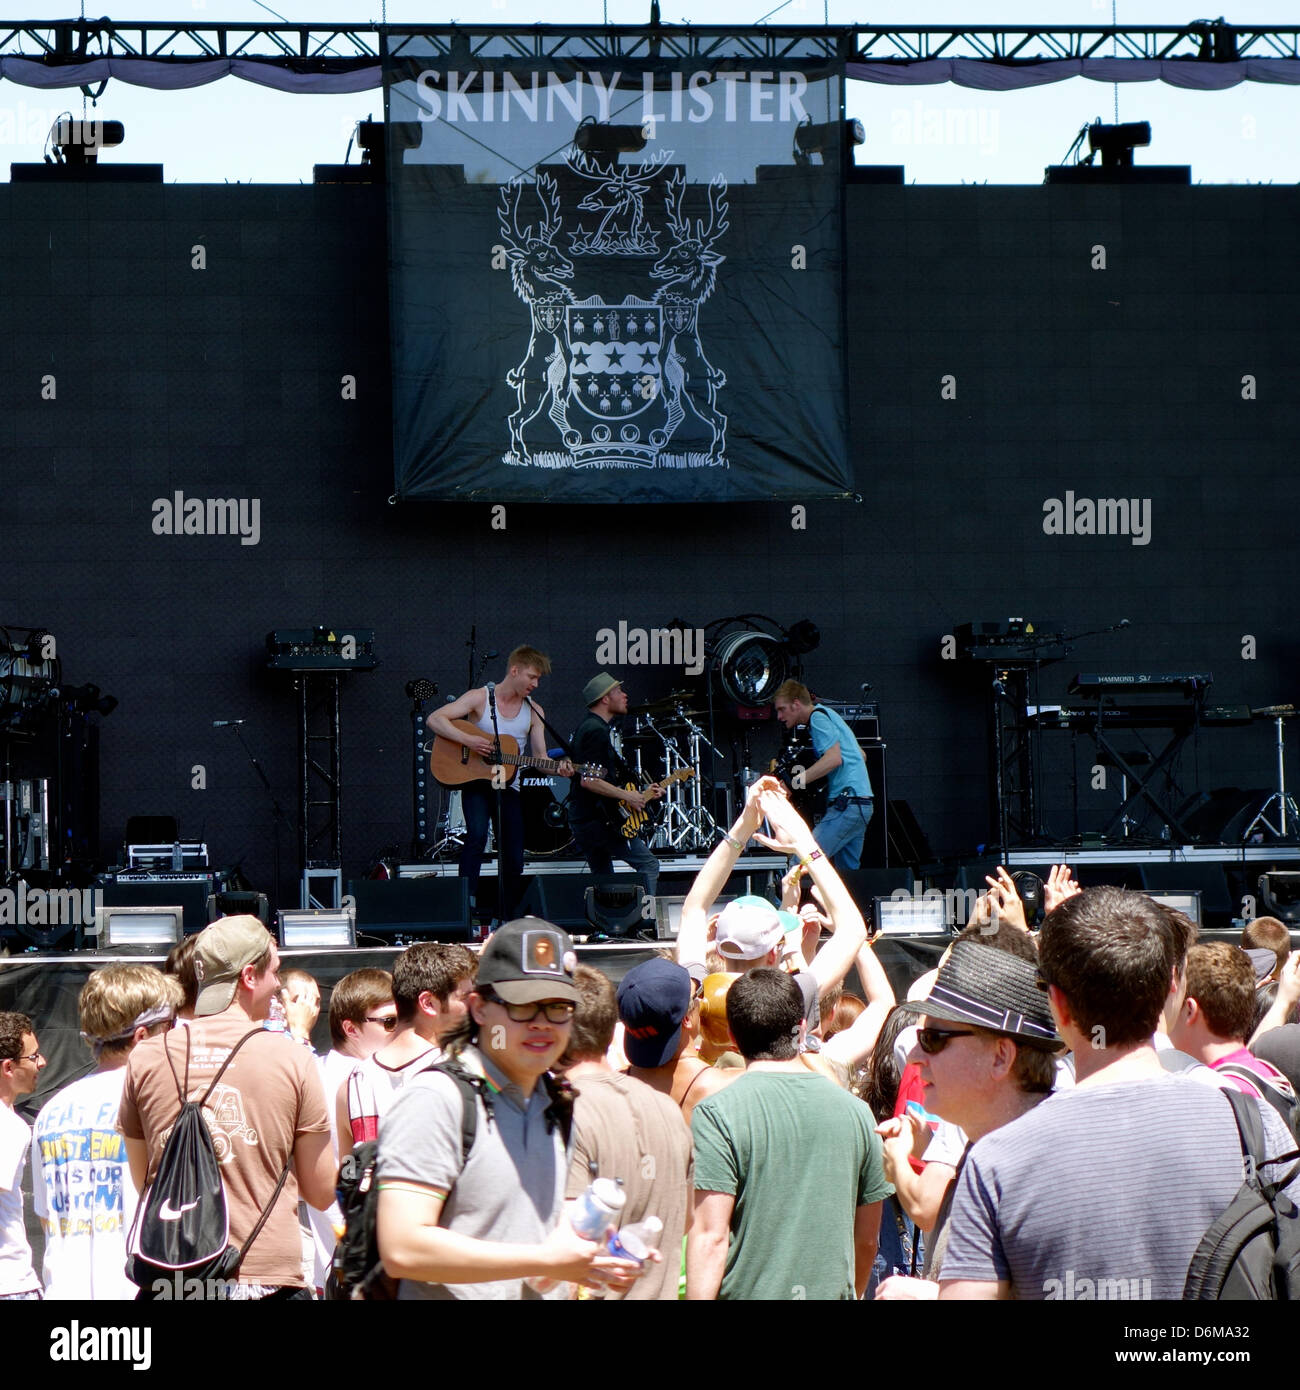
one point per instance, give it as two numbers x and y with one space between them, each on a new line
590 1216
636 1241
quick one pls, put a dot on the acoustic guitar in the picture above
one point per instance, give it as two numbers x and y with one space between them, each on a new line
453 764
634 818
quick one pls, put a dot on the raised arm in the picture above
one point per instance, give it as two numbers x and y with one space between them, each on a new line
692 935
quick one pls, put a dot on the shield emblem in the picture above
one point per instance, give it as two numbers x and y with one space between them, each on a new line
615 352
680 316
550 315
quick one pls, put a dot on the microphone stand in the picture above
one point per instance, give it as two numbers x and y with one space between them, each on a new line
278 816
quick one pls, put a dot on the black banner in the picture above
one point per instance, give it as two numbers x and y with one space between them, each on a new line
617 280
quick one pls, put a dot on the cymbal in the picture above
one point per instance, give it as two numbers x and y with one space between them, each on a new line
662 705
679 715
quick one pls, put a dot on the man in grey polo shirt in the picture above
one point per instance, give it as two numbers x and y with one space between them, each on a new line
479 1229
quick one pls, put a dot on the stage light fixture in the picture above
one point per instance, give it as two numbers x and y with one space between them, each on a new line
1279 895
421 689
924 916
751 665
305 928
137 928
79 142
810 139
804 637
592 137
1116 143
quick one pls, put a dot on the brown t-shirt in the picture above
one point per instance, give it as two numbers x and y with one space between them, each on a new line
631 1131
270 1094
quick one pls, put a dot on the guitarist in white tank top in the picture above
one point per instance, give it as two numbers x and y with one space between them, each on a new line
514 719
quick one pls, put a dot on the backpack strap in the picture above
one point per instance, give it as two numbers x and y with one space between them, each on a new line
1250 1128
472 1089
560 1110
1276 1083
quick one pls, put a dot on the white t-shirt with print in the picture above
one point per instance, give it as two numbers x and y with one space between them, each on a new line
16 1272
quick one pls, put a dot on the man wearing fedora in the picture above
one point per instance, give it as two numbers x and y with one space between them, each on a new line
985 1052
1106 1190
594 801
267 1109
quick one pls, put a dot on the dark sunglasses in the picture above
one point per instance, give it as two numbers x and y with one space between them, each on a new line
933 1040
388 1020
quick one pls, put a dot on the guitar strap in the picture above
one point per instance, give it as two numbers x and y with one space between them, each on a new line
552 730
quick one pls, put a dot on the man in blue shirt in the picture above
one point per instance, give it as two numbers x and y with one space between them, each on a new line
840 760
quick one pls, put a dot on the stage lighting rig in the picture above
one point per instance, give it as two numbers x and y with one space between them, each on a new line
29 680
609 141
810 139
79 142
751 662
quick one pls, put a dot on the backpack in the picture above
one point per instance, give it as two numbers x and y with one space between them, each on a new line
357 1272
183 1223
1252 1251
1275 1089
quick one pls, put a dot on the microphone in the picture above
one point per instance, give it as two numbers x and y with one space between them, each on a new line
1124 622
226 723
865 686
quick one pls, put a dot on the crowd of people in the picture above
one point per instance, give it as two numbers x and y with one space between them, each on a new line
1042 1118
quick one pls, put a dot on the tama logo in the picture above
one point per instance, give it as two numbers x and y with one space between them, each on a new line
656 646
179 515
1102 516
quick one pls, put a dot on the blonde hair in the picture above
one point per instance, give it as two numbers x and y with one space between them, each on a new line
114 997
791 693
530 656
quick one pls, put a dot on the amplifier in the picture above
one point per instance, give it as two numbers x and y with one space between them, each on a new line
321 649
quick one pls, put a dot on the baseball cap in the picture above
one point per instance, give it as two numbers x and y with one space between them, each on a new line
748 927
223 949
1264 963
597 687
992 989
527 960
653 1000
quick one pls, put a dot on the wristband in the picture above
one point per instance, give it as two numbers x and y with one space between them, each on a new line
805 861
733 842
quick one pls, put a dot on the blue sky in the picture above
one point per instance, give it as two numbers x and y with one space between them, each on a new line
235 131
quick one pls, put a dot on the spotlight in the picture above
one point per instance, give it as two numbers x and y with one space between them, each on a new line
609 140
1116 143
805 636
79 142
751 665
421 689
826 138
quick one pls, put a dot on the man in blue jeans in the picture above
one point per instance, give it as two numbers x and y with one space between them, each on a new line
840 760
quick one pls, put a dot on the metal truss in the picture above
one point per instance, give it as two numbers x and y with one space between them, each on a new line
340 47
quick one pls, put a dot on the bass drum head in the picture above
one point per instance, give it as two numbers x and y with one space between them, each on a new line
546 821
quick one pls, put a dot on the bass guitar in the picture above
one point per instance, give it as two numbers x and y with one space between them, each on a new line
634 818
453 764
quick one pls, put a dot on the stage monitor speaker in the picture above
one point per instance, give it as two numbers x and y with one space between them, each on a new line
562 898
435 908
191 896
236 904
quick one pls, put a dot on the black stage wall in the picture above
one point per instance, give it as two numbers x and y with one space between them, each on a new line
227 381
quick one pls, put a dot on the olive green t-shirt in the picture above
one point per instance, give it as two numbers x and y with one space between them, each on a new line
800 1156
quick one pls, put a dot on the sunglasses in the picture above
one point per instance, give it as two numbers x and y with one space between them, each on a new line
556 1010
934 1040
388 1020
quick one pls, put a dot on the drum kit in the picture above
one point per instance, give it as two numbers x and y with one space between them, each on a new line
662 738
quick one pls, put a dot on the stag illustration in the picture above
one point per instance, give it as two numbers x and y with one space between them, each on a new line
620 190
690 269
537 269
